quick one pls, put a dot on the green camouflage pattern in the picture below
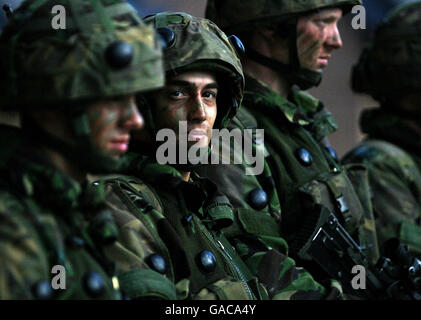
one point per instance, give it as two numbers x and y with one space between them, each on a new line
391 154
43 213
70 64
390 64
172 237
303 122
200 45
301 186
138 239
250 223
180 200
236 16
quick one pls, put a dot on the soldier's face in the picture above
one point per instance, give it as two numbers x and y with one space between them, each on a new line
317 37
111 121
190 97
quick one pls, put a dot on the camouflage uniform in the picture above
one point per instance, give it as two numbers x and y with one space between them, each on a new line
141 256
388 70
48 218
302 171
190 216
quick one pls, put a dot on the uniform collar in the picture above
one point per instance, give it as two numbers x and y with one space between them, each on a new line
25 170
204 198
300 108
258 93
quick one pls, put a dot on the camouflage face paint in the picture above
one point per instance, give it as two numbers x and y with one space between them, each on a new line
191 97
317 37
111 122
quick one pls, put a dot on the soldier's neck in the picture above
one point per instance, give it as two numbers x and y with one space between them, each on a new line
64 165
270 77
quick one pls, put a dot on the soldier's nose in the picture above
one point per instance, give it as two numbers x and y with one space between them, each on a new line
334 40
197 110
132 118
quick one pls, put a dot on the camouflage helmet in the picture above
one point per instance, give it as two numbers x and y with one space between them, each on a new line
239 15
198 44
390 65
105 50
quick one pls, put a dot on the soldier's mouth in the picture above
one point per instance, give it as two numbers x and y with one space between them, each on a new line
324 59
197 135
121 144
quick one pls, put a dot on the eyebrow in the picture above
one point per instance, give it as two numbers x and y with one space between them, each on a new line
182 83
325 15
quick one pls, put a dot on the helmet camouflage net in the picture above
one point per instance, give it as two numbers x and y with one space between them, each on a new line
240 15
104 51
390 65
198 44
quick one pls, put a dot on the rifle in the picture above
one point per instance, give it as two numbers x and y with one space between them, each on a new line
397 274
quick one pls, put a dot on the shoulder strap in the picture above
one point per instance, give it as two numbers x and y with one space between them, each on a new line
400 156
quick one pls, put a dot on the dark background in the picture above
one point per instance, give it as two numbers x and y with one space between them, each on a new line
335 91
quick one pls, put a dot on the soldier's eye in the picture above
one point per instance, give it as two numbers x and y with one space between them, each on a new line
325 21
319 22
176 94
210 94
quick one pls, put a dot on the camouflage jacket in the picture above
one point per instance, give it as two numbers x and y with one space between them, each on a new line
256 230
301 170
142 259
49 220
392 154
182 231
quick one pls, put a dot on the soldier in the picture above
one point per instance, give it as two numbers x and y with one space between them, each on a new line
75 92
388 71
188 214
288 43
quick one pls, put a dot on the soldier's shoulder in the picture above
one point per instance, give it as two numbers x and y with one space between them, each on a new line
382 154
244 119
134 187
20 215
20 247
11 204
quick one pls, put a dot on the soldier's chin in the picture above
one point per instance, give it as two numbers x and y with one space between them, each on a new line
199 143
322 63
113 154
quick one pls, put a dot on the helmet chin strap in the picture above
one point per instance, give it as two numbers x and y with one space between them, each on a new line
82 153
294 74
303 78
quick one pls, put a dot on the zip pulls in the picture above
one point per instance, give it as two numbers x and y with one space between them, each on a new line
231 262
240 274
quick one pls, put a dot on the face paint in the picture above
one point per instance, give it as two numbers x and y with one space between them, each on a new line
318 37
111 122
189 97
